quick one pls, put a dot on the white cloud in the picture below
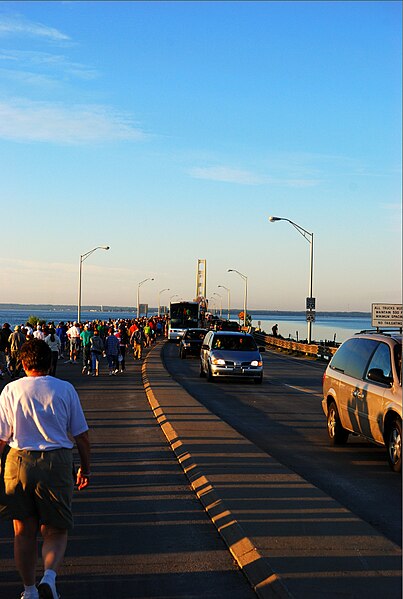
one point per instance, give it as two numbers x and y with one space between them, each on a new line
227 175
25 120
56 62
243 177
19 26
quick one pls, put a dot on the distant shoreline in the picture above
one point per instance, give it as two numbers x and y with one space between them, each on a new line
234 311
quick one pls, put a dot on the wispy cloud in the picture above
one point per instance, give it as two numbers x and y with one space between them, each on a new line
227 175
245 177
45 60
20 26
25 120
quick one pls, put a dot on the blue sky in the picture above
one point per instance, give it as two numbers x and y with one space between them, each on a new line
171 131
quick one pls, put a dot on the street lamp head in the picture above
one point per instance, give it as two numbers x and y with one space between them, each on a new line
230 270
105 247
273 219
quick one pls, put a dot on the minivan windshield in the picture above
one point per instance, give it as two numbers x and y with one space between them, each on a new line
234 343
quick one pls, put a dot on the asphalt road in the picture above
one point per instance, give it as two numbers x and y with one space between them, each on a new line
284 417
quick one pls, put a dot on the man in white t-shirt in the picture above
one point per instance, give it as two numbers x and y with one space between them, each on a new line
39 334
39 415
73 335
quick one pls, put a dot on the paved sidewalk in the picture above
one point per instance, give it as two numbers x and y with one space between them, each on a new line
290 539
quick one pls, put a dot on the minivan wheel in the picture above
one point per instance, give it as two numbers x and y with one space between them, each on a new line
394 445
337 434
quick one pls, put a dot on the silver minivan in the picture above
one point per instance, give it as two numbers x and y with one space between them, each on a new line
362 392
231 354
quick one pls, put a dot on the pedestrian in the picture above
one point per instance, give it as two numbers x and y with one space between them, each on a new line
123 343
85 337
274 330
73 335
97 349
147 334
39 416
112 351
5 333
16 340
54 343
61 332
137 341
38 333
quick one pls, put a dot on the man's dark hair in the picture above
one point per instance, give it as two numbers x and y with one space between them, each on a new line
36 355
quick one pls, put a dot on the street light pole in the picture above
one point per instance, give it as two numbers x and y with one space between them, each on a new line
138 294
229 301
80 270
309 237
245 299
159 299
220 296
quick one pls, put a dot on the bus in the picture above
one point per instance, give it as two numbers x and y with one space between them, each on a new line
182 316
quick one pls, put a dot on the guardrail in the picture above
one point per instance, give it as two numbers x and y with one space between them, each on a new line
310 349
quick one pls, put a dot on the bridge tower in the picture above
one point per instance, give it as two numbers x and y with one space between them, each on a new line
201 281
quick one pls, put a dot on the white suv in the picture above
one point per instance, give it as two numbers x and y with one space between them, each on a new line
362 392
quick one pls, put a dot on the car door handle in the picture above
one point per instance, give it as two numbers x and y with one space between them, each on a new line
358 395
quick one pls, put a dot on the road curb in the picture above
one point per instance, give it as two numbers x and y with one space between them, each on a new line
264 580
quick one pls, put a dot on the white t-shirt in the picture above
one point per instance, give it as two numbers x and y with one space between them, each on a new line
39 412
73 332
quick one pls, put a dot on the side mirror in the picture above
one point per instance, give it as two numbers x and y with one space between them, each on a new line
204 346
261 349
376 375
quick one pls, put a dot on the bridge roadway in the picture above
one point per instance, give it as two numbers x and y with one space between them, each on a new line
140 532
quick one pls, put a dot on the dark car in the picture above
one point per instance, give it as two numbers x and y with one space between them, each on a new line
227 325
191 342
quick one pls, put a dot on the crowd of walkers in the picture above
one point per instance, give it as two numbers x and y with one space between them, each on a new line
86 344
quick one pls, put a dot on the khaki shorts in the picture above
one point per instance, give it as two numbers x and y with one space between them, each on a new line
39 484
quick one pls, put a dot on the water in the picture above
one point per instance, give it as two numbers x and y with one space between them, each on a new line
326 327
294 326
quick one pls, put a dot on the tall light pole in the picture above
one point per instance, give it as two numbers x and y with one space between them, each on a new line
138 294
229 299
245 298
172 296
82 258
220 296
159 299
310 303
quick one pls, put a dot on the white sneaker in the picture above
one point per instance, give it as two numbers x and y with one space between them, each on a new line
47 591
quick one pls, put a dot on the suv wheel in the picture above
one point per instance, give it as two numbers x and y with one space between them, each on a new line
337 434
394 445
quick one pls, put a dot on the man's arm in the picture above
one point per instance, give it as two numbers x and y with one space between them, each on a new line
84 449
